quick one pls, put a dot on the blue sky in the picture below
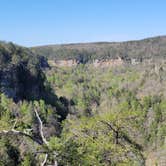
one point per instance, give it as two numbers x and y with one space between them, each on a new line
41 22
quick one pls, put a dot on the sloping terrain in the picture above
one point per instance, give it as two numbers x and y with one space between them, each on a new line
29 110
151 48
21 76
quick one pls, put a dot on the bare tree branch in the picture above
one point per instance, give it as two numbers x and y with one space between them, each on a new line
44 139
40 142
16 132
45 160
41 127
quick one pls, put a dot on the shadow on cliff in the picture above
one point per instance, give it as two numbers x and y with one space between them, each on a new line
20 83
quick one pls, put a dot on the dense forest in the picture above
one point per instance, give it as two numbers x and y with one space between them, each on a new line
82 115
150 48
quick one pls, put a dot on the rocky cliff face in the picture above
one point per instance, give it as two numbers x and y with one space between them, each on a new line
108 62
131 52
95 63
21 76
67 63
18 83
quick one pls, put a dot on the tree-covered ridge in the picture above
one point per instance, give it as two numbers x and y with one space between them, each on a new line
151 48
21 75
30 112
13 54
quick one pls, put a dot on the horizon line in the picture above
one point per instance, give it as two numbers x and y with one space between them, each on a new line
91 42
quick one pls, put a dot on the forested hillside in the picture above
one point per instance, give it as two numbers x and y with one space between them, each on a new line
29 109
83 115
151 48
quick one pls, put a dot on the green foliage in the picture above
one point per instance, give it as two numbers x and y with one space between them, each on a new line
9 154
110 96
5 113
108 119
28 160
85 53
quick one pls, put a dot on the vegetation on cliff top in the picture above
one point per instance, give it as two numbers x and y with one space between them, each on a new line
151 48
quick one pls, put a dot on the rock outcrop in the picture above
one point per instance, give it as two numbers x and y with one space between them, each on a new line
108 62
21 76
96 63
106 53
